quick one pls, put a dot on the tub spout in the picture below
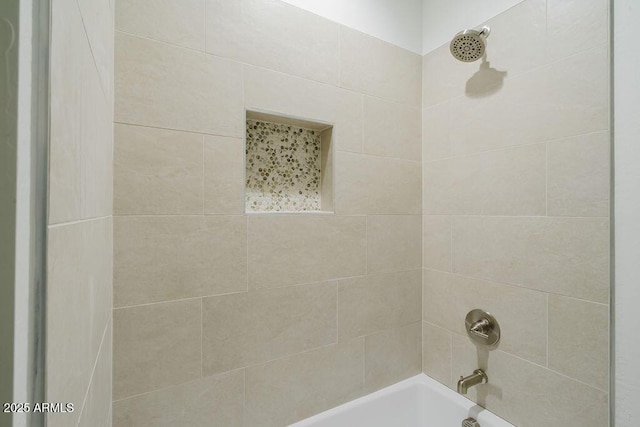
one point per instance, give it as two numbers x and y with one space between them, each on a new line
478 377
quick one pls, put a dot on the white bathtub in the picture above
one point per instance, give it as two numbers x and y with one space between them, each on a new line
416 402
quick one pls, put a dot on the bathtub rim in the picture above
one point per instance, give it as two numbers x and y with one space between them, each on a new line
483 415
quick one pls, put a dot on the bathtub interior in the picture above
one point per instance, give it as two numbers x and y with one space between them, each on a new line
416 402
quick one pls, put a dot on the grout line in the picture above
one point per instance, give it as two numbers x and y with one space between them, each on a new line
363 137
337 312
515 216
267 288
554 371
247 253
450 129
512 147
142 125
338 279
340 34
174 300
95 366
450 358
80 221
262 289
366 245
201 337
262 214
515 286
418 162
193 380
286 356
164 42
546 179
261 67
242 138
451 252
310 214
204 198
546 26
547 342
364 363
93 56
244 395
388 329
422 345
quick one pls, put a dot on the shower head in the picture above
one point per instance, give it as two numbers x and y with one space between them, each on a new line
469 45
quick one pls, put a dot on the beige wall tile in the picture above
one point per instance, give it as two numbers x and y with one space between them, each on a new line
300 98
444 77
208 402
96 411
505 54
503 182
372 303
521 313
578 175
378 68
172 257
223 175
578 87
292 96
377 185
96 161
157 171
287 390
292 249
566 98
393 243
80 180
79 256
436 353
436 242
176 88
579 340
275 35
391 356
99 26
156 346
575 25
349 123
391 129
181 23
258 326
79 277
568 256
516 386
436 132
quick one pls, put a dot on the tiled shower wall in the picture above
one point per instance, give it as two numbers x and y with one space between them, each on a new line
228 319
516 213
80 231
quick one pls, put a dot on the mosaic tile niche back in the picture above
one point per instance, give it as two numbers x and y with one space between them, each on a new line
282 168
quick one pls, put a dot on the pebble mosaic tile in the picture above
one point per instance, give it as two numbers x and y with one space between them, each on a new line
283 168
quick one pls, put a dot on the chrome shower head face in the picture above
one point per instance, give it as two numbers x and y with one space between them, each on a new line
469 45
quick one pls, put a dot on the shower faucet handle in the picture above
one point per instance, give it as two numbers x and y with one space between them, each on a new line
482 328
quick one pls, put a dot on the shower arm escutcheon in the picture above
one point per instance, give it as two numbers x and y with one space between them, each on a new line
482 328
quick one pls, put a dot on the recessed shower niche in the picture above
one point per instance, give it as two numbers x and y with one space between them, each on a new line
288 163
